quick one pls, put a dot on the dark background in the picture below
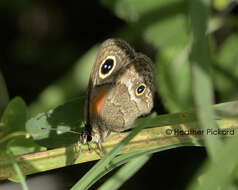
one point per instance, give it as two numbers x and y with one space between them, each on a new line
40 41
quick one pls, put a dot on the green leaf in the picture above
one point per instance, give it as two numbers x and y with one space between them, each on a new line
14 117
20 145
170 33
173 81
221 5
173 77
83 67
226 73
43 127
144 15
132 10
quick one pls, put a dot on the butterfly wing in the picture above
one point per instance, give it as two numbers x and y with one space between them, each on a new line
130 97
113 55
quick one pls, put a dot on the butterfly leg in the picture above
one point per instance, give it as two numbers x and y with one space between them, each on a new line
100 148
102 153
77 151
80 147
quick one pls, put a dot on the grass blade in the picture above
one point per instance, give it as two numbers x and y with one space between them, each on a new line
200 64
122 159
148 139
220 174
20 175
85 181
125 173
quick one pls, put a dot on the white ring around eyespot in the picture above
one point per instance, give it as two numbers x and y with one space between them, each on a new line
141 84
102 76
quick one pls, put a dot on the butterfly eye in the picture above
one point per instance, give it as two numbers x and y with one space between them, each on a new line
89 138
140 89
107 67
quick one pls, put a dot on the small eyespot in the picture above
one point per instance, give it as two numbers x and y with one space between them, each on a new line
140 89
107 67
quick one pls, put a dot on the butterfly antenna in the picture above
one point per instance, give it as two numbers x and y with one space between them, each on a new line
68 131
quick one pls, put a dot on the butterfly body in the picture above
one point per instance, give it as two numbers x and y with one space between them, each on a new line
121 89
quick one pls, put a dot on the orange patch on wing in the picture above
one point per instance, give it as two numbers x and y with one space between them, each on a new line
98 101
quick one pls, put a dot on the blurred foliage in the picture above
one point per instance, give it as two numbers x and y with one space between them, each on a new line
50 129
226 69
161 29
72 84
164 25
13 131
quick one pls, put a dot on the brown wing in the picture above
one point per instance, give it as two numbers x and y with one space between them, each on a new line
131 96
117 50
